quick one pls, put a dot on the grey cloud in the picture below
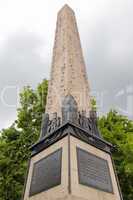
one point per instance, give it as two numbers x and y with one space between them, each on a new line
110 64
20 65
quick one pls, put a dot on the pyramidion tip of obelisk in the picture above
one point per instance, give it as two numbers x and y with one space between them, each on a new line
66 8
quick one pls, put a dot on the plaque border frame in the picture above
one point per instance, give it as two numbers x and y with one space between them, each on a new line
85 184
48 188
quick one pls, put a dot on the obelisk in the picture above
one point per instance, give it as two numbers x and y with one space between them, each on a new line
70 161
68 72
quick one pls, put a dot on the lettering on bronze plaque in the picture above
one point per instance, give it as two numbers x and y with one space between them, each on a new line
46 173
93 171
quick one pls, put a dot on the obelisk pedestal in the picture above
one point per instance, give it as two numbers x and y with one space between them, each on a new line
71 168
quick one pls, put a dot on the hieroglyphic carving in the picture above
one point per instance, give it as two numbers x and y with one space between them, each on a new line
68 67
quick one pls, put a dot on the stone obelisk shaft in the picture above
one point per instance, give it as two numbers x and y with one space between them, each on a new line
68 73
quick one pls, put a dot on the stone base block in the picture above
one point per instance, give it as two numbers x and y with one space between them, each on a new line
75 170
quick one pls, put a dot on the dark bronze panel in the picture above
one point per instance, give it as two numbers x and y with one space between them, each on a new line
46 173
93 171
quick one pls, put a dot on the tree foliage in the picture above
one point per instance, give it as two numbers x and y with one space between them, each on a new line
16 140
118 130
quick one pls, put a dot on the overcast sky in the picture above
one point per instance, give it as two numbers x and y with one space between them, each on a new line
27 30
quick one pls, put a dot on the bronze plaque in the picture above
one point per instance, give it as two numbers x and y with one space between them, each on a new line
93 171
46 173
